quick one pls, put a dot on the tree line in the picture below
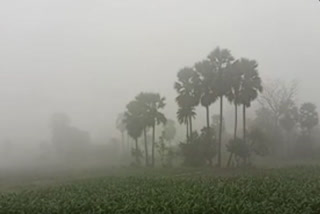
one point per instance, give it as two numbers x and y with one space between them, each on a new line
217 78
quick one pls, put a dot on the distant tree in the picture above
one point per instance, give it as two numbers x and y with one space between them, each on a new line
151 104
166 153
188 94
199 151
250 86
308 120
215 124
256 144
169 131
276 97
134 125
184 114
258 141
234 74
264 121
121 126
308 117
240 149
208 93
288 121
221 59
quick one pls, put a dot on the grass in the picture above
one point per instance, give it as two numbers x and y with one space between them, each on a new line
290 190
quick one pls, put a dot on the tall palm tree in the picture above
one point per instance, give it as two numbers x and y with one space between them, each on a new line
221 59
183 115
208 95
134 126
250 86
188 92
151 104
234 76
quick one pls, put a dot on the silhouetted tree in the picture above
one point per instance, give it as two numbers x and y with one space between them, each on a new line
250 86
184 114
151 104
134 125
221 59
188 93
234 75
208 93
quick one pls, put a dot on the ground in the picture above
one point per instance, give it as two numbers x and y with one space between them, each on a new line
178 190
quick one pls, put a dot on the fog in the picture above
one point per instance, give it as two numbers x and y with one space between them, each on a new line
88 59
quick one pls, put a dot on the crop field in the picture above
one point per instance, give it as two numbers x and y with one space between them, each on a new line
278 191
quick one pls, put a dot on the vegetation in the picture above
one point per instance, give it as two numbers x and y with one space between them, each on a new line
293 190
279 128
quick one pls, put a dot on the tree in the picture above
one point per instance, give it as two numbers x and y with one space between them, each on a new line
199 151
184 114
134 126
169 131
188 93
207 74
256 144
166 152
250 86
277 100
151 104
288 121
308 117
221 60
235 76
276 97
207 77
121 126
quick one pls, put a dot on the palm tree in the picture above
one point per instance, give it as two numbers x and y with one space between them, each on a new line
208 95
134 126
184 114
151 104
250 86
221 59
188 92
234 75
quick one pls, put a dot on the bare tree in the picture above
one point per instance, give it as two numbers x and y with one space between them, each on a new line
279 99
277 96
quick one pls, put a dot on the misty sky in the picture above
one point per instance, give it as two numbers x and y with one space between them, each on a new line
88 58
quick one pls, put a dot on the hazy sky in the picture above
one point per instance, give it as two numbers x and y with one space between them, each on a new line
88 58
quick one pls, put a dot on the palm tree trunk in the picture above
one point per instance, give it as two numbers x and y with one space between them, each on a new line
136 152
208 132
208 118
244 129
123 143
235 131
146 146
187 125
220 131
244 124
190 126
153 142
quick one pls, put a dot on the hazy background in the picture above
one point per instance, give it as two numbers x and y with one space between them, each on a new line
89 58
